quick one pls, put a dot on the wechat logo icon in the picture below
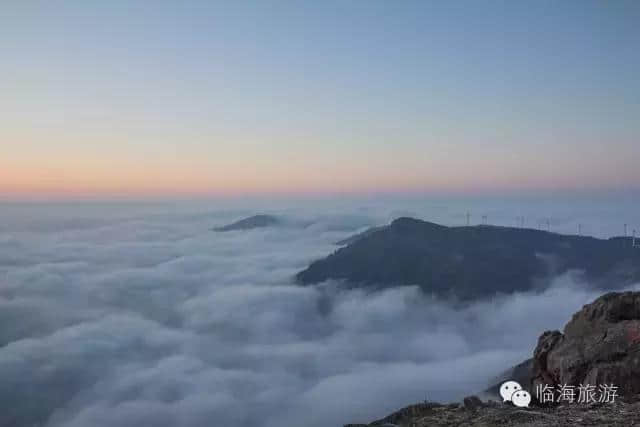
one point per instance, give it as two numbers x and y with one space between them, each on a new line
511 391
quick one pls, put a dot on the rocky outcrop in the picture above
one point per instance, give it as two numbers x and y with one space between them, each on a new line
472 402
403 415
600 345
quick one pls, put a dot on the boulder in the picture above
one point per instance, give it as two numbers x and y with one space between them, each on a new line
600 345
472 402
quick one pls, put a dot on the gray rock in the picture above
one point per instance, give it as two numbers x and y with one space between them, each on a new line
618 414
472 402
600 345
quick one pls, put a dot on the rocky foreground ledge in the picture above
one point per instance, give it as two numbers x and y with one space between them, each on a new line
621 413
600 345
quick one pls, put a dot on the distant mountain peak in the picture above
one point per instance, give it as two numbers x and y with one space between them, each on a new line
472 262
405 221
255 221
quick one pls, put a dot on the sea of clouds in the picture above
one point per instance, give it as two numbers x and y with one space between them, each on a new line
139 315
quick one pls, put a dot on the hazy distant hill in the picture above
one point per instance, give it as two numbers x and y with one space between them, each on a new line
474 261
256 221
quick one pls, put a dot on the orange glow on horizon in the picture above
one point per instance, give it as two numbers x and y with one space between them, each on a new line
35 168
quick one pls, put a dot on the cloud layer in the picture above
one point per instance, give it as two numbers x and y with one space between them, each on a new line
132 316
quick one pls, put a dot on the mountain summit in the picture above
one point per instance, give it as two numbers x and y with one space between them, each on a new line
474 261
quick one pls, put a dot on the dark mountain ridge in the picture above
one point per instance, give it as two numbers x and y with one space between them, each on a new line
473 261
352 239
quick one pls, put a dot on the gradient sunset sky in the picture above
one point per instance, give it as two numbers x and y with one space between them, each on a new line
206 97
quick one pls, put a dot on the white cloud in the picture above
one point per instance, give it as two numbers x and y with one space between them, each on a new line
152 319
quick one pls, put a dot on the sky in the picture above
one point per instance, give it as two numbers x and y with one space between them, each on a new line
307 97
